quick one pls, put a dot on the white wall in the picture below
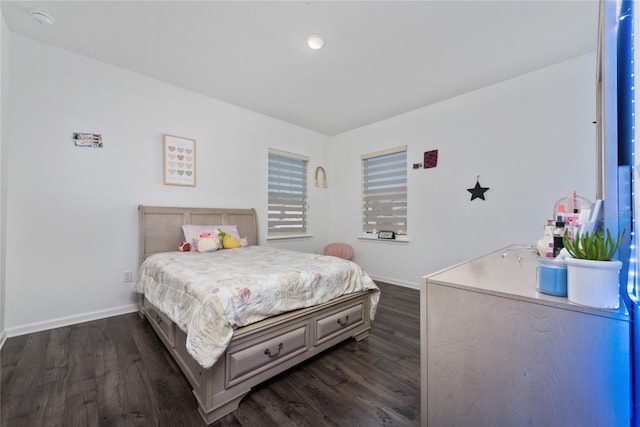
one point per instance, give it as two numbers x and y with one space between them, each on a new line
4 92
72 212
531 139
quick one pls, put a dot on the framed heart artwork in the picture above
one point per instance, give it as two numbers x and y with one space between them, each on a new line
179 160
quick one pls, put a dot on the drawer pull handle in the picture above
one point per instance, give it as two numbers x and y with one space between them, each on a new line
268 352
346 321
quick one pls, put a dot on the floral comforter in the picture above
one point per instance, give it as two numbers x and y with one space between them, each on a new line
209 294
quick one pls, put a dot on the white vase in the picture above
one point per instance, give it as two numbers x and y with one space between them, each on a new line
593 283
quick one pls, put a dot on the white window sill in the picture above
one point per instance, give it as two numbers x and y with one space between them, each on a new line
293 236
374 238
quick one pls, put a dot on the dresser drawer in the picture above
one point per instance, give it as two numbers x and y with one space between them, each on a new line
161 323
334 324
262 356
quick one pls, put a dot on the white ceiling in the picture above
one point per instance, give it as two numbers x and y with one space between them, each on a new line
381 58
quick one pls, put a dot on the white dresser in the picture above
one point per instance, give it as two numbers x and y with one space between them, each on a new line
495 352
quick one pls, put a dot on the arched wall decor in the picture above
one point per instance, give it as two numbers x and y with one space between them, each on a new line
324 177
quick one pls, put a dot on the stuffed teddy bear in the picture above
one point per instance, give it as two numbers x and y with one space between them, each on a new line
207 242
244 242
184 247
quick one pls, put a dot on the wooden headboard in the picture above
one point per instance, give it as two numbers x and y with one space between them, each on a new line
161 226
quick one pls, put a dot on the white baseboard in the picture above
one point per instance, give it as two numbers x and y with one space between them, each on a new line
70 320
395 281
101 314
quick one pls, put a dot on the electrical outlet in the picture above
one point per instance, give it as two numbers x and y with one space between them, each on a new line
127 276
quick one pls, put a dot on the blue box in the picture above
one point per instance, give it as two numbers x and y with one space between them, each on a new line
552 277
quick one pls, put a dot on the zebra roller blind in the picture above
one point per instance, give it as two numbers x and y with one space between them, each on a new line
384 191
287 194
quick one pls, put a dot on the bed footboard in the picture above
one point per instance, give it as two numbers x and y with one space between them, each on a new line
259 351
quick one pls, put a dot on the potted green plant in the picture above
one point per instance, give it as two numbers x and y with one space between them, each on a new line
593 276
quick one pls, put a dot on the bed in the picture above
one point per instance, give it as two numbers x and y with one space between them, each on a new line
258 347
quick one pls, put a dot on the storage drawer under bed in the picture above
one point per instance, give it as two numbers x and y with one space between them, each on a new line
161 323
337 323
263 355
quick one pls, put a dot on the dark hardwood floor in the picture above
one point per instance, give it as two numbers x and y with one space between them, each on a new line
116 372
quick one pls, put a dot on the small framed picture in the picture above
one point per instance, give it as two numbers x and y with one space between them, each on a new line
83 139
179 160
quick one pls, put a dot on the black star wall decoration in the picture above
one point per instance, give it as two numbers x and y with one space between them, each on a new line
478 191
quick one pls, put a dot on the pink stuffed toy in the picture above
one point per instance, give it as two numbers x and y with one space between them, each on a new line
207 242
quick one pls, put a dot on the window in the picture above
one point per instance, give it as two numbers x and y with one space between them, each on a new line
384 191
287 194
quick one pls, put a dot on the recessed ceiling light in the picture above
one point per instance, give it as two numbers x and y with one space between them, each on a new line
42 17
315 41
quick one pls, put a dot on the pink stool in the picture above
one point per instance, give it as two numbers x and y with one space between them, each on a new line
340 250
